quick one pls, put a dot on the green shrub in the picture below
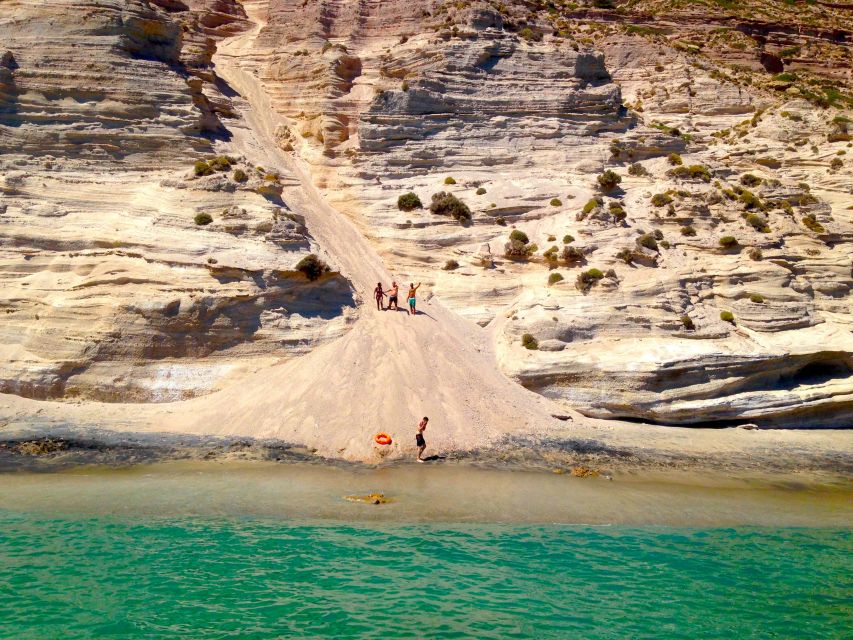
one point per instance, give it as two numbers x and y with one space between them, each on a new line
681 172
617 212
811 223
554 278
699 172
757 222
552 238
481 191
728 242
568 239
202 168
609 180
638 170
550 254
687 322
518 246
529 342
749 180
757 298
674 159
409 202
571 255
749 200
221 163
312 267
446 204
239 176
450 265
661 199
625 255
556 202
836 164
449 180
688 231
727 316
648 241
500 221
202 219
755 254
590 205
587 279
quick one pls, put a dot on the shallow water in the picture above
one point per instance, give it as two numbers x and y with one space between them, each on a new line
260 551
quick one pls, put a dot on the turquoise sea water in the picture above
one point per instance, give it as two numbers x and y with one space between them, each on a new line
113 576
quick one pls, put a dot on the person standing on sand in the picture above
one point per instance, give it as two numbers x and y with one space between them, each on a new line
393 292
419 438
379 293
412 299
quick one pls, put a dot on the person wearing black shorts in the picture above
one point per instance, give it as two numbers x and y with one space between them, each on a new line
419 438
392 295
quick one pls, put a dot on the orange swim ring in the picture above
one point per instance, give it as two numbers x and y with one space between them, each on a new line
382 438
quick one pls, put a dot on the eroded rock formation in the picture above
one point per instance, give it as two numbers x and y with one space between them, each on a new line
709 282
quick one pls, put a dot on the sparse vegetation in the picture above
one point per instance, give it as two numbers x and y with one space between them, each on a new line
202 168
203 219
446 204
609 180
750 200
481 191
637 170
312 267
727 316
500 221
221 163
409 202
728 242
587 279
529 342
693 172
757 298
571 255
836 164
688 231
757 222
755 254
625 255
554 278
568 239
674 159
556 202
519 247
661 199
811 223
450 265
749 180
647 241
239 175
591 205
687 322
449 180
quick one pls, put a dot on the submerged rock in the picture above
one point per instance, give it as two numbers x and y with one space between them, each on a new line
370 498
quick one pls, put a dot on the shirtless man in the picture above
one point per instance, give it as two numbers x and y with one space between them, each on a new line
419 438
392 295
379 293
412 300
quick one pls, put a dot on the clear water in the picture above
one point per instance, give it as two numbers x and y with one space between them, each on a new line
153 554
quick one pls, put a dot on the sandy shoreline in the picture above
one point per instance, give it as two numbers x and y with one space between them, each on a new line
62 448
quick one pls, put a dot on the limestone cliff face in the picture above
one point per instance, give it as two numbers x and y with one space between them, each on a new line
721 282
114 287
